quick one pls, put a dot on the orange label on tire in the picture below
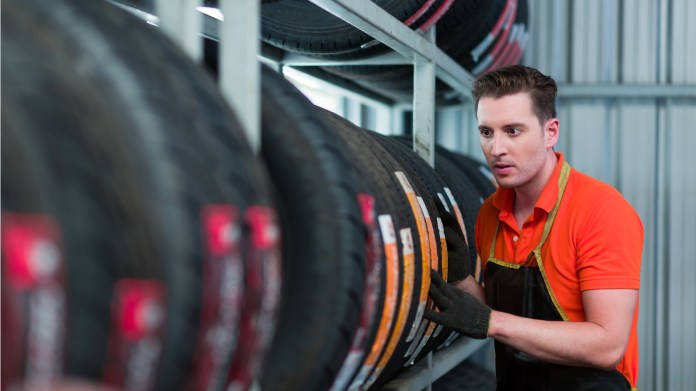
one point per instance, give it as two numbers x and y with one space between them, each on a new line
422 235
391 256
421 338
404 306
444 270
457 213
460 218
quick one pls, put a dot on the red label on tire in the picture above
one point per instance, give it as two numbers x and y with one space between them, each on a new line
262 277
33 300
222 294
137 314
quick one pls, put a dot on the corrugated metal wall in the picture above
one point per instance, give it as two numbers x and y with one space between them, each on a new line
644 146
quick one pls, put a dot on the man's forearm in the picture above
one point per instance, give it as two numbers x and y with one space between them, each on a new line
568 343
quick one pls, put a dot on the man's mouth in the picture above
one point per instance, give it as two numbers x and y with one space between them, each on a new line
502 168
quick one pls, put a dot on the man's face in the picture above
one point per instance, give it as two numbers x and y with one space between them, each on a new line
515 144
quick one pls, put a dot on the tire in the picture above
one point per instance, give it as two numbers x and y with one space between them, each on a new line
446 175
403 305
509 42
303 27
466 33
462 30
323 241
478 173
82 177
25 208
124 136
429 184
454 188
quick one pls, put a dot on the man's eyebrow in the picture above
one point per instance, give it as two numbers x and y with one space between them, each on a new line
510 125
514 125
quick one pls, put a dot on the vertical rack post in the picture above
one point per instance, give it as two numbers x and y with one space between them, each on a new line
424 105
181 22
239 67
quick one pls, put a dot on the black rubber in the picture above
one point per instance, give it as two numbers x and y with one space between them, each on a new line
462 33
24 175
477 173
462 29
323 240
430 184
24 172
302 27
59 107
378 167
427 182
465 194
447 175
459 32
138 150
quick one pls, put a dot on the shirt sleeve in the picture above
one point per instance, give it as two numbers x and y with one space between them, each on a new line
610 246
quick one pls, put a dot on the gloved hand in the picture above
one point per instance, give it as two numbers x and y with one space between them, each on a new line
459 310
457 249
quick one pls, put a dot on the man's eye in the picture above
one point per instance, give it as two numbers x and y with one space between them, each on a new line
514 131
485 132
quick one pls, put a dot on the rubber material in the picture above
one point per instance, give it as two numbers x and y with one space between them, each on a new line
378 168
302 27
323 242
124 136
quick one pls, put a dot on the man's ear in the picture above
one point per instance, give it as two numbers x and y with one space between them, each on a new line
551 129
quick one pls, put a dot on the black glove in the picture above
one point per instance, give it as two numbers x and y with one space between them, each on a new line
459 310
457 249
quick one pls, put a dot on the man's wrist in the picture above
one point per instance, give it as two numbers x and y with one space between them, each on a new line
497 324
471 286
461 284
493 324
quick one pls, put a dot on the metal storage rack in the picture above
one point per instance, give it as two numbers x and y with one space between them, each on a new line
238 60
239 81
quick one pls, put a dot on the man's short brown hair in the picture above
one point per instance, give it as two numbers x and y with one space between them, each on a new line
515 79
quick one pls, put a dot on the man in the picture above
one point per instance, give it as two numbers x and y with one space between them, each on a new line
561 253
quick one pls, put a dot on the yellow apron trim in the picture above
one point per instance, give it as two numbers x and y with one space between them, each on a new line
562 181
491 252
548 288
504 263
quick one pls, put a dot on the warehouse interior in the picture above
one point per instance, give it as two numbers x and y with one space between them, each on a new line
140 72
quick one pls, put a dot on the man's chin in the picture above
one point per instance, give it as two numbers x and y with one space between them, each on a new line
506 183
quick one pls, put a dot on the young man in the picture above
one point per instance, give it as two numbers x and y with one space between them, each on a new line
561 253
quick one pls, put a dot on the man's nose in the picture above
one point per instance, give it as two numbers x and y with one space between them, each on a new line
498 147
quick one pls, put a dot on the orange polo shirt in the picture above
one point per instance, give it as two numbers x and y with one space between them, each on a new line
596 242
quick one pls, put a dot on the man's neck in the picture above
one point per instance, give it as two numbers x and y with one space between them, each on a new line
526 196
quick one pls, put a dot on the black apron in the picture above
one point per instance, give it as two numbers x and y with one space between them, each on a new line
523 290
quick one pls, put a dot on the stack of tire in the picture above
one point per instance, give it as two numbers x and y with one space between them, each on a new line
142 240
353 322
481 35
140 248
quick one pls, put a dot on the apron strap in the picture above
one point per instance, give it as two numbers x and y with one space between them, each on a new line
491 253
562 181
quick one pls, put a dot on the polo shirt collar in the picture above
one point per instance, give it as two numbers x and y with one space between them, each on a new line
504 198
